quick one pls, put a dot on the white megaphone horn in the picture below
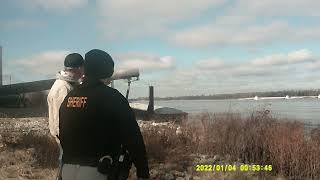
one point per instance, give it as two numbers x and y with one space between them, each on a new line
125 74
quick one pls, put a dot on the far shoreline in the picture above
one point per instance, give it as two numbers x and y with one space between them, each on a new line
284 93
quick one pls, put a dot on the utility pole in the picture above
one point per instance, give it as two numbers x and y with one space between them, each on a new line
151 100
1 83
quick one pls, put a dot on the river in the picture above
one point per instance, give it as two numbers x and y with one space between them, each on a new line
306 110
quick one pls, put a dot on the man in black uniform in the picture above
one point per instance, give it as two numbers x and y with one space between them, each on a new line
96 121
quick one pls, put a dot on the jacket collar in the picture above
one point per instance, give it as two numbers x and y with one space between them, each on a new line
66 76
89 82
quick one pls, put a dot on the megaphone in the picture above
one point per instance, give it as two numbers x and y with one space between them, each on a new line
125 74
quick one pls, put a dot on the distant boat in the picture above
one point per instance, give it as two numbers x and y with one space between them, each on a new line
297 97
265 98
246 99
285 97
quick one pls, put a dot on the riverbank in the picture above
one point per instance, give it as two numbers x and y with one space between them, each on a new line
283 93
174 150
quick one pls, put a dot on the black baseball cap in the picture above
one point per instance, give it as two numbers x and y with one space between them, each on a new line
73 60
98 64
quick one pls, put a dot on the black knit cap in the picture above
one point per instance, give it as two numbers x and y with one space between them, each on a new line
98 64
73 60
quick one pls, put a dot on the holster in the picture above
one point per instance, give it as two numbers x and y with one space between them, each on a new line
116 168
105 165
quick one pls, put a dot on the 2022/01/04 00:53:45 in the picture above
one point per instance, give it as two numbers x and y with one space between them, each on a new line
232 167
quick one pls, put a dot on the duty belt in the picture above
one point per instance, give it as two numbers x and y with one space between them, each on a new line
92 162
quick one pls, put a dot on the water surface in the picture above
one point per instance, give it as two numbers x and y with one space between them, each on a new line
306 110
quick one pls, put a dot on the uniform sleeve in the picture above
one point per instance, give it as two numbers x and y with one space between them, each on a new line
131 137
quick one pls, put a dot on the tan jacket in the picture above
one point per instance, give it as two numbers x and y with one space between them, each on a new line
58 92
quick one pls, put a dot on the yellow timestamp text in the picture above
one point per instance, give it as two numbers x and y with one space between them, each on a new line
232 168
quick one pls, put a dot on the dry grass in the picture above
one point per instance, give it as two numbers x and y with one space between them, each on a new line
28 155
165 146
260 139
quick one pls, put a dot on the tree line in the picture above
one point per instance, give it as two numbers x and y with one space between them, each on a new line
313 92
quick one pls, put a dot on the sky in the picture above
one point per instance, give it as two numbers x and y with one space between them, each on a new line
181 47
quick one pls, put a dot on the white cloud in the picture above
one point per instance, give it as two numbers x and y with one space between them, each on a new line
248 71
258 73
274 68
145 62
214 76
129 18
314 66
210 64
46 64
216 35
20 24
277 59
233 20
41 65
254 23
240 23
276 8
243 22
53 5
299 56
249 35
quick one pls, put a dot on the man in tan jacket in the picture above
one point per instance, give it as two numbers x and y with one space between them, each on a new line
65 80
